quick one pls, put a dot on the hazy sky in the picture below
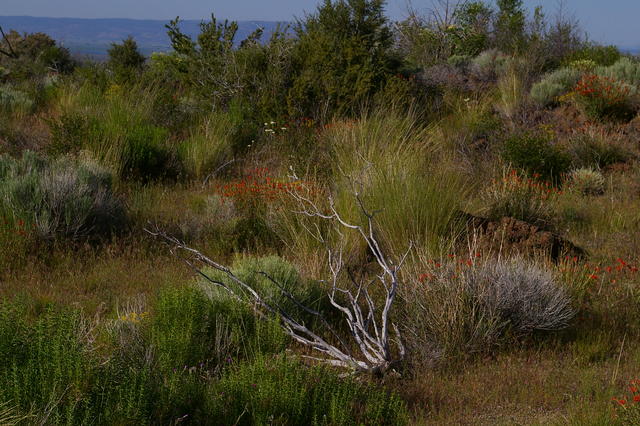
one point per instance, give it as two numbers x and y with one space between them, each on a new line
609 21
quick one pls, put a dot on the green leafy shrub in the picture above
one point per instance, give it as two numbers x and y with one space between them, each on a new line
46 364
193 327
195 334
343 56
68 134
555 84
510 26
535 153
284 391
601 55
34 56
125 60
65 197
261 272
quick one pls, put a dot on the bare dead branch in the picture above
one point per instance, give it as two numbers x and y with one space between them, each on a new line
368 325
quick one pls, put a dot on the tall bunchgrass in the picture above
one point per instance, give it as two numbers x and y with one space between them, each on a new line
209 146
510 90
521 197
120 130
391 162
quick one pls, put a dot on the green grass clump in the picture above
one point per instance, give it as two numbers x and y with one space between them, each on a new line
522 198
118 130
209 146
388 160
472 308
597 151
587 181
535 153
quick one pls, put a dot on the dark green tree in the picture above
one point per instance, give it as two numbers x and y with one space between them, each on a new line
510 26
32 55
125 60
343 56
472 21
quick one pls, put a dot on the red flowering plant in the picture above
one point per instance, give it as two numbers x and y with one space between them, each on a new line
526 198
257 189
627 407
591 280
605 98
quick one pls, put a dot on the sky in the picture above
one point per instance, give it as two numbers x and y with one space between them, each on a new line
610 21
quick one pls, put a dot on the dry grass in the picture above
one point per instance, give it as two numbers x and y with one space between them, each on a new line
96 279
522 387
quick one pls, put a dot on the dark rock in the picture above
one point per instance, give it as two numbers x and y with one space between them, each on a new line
513 236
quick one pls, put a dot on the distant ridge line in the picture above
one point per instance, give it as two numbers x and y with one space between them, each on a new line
93 36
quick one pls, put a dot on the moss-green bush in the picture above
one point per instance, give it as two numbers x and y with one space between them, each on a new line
343 57
535 153
268 275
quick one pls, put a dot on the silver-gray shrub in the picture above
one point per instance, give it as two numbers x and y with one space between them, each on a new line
489 64
524 295
625 70
62 197
555 84
461 310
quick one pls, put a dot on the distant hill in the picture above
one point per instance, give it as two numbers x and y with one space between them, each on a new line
92 37
631 50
